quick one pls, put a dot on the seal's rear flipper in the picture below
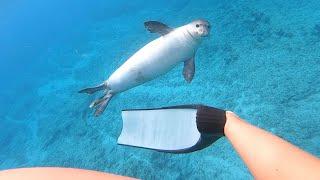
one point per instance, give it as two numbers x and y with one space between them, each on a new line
101 104
92 90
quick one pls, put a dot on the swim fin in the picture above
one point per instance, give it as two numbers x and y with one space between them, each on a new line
176 129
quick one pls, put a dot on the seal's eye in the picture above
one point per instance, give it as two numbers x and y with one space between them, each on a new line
197 25
208 26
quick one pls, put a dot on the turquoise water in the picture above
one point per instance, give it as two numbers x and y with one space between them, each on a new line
262 61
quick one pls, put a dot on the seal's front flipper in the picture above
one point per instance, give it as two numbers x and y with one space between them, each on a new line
157 27
92 90
189 69
177 129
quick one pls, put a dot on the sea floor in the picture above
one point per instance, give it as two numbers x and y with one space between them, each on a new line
262 61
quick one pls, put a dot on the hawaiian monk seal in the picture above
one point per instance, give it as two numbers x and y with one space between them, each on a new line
154 59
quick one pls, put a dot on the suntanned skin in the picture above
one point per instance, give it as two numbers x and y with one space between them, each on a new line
268 156
55 173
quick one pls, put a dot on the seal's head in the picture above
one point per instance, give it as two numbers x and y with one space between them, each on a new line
199 28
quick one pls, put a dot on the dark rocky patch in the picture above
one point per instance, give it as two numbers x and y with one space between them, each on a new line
283 34
258 25
316 30
230 55
262 35
255 20
260 17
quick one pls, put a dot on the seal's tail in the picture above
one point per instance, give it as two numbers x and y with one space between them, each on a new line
101 103
92 90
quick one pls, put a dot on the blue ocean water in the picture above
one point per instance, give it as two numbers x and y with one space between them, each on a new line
262 61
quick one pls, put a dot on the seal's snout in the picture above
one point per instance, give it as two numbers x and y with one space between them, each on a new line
202 27
205 32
